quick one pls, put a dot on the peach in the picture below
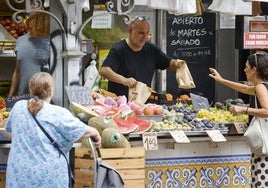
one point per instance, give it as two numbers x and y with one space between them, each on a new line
148 110
158 110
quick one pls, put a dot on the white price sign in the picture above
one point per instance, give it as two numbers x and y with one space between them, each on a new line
216 136
179 136
150 140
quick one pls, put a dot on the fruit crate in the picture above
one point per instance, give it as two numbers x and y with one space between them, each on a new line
4 88
129 162
160 99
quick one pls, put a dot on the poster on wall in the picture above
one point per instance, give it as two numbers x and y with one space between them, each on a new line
193 39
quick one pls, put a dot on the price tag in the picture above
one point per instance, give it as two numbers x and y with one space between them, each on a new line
150 141
216 136
240 127
179 136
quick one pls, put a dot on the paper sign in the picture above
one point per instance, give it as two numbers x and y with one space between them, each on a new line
179 136
240 127
79 94
216 136
199 102
150 140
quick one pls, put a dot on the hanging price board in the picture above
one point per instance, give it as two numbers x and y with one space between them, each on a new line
150 140
179 136
216 136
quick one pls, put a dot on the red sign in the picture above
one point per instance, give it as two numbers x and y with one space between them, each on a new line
255 40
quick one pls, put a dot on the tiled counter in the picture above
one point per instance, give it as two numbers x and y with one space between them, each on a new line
200 163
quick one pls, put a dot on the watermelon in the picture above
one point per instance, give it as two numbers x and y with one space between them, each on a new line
105 111
143 125
83 112
124 126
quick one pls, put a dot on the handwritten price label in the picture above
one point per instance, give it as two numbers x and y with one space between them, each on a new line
216 136
241 127
150 141
179 136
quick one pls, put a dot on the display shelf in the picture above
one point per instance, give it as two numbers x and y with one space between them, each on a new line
167 134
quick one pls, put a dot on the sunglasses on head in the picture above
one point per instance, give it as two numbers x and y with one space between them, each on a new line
256 58
139 18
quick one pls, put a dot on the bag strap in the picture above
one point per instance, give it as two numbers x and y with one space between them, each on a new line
55 144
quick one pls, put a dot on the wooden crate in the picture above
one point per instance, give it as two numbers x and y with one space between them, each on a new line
129 162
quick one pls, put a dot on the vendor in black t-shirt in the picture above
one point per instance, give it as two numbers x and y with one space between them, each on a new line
135 59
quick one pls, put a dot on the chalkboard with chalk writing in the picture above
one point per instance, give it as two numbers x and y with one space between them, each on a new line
193 38
79 94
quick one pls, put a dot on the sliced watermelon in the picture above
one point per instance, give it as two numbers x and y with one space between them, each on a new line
124 126
105 111
144 125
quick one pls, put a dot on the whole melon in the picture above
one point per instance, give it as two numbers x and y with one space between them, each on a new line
112 138
101 123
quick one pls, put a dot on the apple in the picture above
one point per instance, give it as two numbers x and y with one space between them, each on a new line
3 22
12 32
7 27
15 35
7 21
12 26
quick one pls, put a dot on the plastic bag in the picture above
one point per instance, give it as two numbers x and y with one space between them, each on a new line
91 75
184 77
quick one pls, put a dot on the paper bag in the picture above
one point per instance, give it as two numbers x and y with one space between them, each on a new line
184 77
140 93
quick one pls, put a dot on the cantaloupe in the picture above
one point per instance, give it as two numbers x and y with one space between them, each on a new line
112 138
101 123
84 113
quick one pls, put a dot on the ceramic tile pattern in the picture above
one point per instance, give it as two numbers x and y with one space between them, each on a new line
200 164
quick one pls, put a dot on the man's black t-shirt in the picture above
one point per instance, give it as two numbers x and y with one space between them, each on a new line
139 65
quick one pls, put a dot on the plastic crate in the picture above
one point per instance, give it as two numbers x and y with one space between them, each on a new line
156 118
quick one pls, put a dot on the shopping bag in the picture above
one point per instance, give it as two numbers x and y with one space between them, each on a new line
184 77
107 176
257 136
140 93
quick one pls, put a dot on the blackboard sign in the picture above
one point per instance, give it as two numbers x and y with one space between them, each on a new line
193 39
79 94
10 101
199 102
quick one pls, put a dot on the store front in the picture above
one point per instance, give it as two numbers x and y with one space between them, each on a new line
200 163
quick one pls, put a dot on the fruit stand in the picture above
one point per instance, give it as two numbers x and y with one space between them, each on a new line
201 161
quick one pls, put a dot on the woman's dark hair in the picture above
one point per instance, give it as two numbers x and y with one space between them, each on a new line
260 61
41 88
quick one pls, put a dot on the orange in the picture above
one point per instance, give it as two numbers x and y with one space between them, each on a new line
169 97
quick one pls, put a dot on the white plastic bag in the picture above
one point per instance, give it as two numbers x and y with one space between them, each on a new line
91 75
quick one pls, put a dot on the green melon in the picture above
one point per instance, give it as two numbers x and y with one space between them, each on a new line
84 113
101 123
112 138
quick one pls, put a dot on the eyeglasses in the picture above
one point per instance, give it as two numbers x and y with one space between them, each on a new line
139 18
256 58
